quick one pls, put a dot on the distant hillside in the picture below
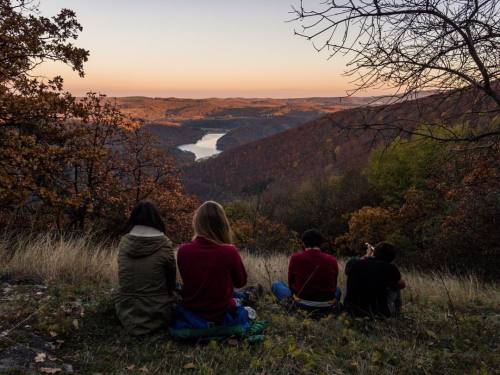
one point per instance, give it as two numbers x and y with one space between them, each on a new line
180 121
176 111
322 147
258 128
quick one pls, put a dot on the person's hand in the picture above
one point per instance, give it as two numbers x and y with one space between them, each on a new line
369 251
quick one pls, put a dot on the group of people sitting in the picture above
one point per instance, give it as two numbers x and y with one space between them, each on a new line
372 288
150 297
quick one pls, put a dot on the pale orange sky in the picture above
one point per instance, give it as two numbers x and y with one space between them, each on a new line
195 48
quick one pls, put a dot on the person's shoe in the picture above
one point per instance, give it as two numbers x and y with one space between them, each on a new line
252 294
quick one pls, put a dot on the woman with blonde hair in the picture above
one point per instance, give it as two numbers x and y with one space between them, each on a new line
210 266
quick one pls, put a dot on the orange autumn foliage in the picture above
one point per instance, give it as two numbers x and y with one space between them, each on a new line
68 163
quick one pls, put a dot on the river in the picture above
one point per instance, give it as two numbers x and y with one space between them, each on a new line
205 147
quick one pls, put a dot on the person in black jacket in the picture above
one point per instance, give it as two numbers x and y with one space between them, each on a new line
374 283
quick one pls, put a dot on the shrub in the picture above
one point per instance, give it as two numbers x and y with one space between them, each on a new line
369 224
404 164
322 203
256 233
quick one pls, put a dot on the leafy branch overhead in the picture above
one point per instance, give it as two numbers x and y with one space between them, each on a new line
27 39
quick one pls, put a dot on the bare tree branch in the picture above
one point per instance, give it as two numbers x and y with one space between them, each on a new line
411 45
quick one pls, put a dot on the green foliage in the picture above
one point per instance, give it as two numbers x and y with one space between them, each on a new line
404 164
322 204
440 208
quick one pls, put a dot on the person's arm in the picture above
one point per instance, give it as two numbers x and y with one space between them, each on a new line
335 270
170 267
238 272
348 267
396 281
291 273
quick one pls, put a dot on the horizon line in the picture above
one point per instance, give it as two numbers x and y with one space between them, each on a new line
236 97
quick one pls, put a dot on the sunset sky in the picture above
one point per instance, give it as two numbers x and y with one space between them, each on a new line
196 48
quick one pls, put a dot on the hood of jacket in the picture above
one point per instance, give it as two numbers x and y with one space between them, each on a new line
139 247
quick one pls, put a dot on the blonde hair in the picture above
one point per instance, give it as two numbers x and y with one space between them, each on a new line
210 221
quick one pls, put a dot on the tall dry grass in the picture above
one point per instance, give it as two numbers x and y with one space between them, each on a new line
68 259
79 260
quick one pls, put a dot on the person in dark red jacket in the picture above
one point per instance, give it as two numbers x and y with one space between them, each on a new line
210 266
312 276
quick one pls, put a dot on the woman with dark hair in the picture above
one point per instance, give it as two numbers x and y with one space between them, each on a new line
146 272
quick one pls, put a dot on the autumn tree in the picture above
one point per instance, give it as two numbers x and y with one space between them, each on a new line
368 224
67 162
257 233
404 164
33 112
469 229
322 203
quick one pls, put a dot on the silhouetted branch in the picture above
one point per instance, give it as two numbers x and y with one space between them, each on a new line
411 45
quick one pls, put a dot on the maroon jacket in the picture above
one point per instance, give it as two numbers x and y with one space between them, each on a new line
209 272
312 275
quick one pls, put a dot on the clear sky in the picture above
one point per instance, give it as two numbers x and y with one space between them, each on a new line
196 48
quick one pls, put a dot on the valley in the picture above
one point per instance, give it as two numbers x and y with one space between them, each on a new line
327 145
178 122
282 141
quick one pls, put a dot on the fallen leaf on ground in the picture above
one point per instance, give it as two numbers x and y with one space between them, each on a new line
130 367
189 365
40 357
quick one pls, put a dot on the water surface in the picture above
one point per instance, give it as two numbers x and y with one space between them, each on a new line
205 147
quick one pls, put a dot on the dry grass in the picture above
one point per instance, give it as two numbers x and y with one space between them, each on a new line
430 287
71 259
79 259
437 334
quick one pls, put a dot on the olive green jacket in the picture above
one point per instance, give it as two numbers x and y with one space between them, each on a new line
147 274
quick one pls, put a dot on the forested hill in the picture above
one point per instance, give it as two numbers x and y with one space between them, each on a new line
178 121
324 146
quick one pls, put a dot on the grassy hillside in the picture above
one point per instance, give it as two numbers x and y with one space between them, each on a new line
56 300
